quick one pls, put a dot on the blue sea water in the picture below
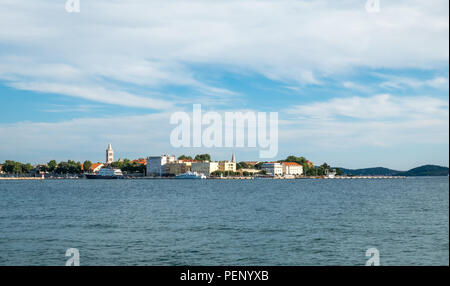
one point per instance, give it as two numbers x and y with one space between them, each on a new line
225 222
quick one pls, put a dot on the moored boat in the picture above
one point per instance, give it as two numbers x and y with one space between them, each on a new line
190 175
106 173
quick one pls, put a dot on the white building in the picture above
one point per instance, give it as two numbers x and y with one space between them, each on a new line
156 164
205 168
272 168
109 154
292 168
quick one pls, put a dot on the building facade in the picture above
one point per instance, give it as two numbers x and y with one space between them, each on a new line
227 166
205 168
250 171
272 168
177 168
109 154
292 168
156 165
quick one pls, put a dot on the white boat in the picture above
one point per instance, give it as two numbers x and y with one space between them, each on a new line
330 174
190 175
107 173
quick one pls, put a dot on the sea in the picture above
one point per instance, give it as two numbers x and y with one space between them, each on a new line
225 222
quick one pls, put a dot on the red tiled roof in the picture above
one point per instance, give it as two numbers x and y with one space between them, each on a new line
291 164
139 161
95 165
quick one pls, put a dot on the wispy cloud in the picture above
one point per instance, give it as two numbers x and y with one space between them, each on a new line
95 93
398 82
381 120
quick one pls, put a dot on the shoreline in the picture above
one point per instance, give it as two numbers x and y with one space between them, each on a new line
217 178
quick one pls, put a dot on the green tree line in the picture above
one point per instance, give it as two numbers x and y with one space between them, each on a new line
200 157
127 166
13 167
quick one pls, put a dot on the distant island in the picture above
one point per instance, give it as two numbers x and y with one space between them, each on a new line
426 170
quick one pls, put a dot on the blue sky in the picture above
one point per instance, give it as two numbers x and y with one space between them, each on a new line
352 88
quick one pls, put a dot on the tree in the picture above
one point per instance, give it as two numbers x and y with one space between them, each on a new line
127 166
299 160
87 165
42 168
26 168
62 168
203 157
184 157
338 172
12 167
323 169
52 165
217 173
309 171
242 165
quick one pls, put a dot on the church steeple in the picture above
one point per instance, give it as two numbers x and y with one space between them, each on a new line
233 158
109 154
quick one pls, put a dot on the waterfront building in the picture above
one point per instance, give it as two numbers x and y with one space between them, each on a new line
272 168
250 171
1 169
177 168
205 168
109 154
292 168
227 166
156 165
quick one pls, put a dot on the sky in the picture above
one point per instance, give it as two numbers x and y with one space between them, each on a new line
352 87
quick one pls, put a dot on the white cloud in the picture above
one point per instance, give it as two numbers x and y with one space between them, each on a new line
398 82
356 86
95 93
379 107
381 120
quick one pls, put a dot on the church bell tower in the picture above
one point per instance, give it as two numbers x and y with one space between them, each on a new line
109 154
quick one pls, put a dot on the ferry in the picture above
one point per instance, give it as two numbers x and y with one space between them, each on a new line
190 175
106 173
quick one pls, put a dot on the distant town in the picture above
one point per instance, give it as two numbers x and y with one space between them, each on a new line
201 165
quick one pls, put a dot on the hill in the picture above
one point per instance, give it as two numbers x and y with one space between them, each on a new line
377 171
426 170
